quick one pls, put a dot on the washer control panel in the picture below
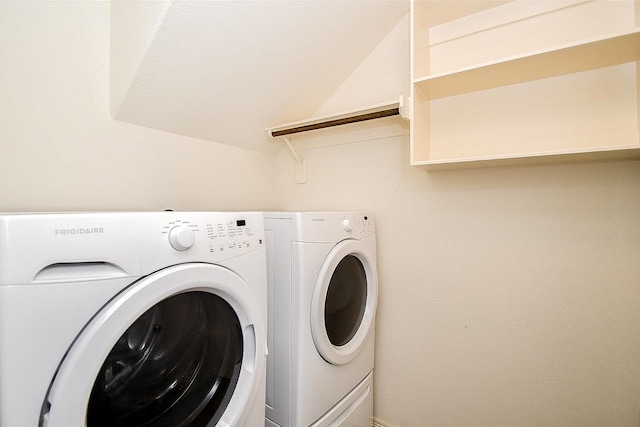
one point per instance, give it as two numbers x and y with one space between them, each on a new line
106 245
231 235
223 234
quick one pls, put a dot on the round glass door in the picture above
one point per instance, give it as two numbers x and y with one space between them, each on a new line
184 346
344 301
177 365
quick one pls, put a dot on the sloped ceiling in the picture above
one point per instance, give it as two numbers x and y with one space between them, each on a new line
225 70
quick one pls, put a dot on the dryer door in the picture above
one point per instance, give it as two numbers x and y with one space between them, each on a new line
184 346
344 301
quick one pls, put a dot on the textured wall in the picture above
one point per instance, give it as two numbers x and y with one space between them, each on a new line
508 296
61 151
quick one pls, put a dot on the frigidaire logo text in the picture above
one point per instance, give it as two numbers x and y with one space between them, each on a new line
79 231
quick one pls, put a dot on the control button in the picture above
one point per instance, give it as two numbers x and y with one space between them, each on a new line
181 238
346 224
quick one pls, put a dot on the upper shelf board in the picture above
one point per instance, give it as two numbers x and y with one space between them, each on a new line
594 53
603 154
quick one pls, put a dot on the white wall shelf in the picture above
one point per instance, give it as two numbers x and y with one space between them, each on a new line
596 52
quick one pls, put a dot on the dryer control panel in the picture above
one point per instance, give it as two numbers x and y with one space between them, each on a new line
359 225
329 227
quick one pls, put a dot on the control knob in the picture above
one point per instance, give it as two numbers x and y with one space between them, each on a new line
347 224
181 238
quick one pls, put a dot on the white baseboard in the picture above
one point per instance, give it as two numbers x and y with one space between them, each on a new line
377 422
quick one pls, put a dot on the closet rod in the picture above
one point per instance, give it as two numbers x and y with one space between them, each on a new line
338 122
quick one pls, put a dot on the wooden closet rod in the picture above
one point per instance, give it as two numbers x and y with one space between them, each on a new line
338 122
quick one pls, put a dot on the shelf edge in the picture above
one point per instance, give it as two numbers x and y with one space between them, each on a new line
619 153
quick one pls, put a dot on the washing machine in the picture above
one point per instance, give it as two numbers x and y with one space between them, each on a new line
132 319
322 293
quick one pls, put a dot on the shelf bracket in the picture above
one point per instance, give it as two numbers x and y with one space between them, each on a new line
301 161
293 150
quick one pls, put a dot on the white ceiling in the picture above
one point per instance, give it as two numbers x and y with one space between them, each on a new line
225 70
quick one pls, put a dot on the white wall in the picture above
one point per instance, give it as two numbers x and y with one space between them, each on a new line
61 151
508 296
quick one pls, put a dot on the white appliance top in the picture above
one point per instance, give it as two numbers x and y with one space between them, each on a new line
327 227
46 248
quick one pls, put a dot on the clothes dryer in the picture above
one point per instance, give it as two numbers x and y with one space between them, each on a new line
132 319
323 288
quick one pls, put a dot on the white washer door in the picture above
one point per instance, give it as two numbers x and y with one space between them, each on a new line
344 301
182 346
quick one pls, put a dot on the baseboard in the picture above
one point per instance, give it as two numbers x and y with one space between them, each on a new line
377 422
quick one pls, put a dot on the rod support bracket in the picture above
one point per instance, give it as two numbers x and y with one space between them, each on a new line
301 161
